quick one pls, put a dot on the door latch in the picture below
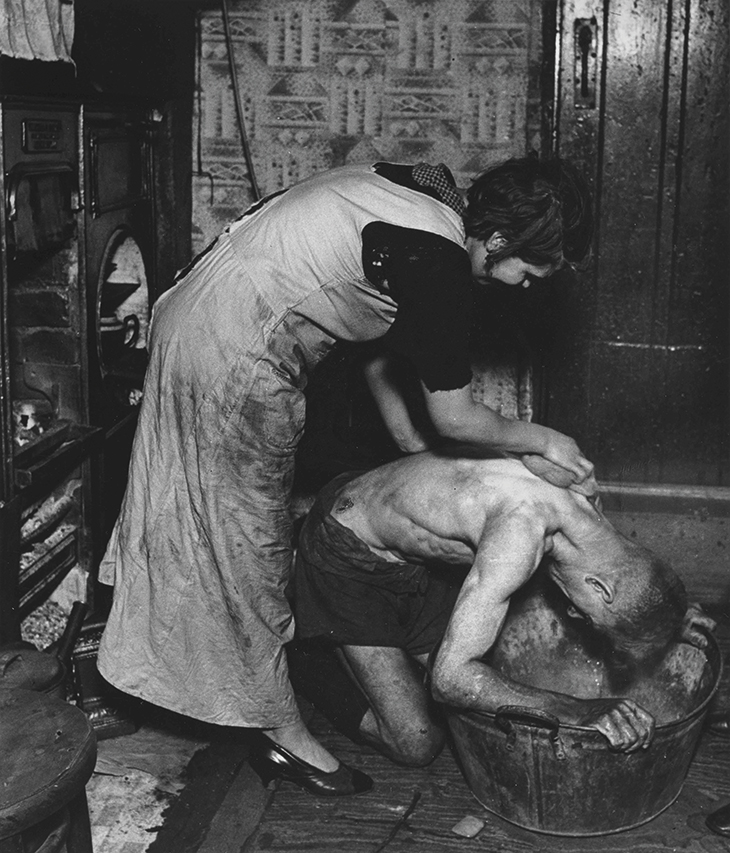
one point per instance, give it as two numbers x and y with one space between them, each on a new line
585 46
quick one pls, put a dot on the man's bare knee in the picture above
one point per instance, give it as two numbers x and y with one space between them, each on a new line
418 747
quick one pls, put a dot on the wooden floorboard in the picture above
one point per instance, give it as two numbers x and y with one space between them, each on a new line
211 774
239 814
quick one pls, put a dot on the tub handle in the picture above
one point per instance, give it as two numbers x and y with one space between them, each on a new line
11 660
506 715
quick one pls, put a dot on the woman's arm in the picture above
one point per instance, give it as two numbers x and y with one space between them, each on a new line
392 406
561 477
456 415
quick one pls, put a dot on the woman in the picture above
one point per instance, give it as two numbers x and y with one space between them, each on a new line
201 552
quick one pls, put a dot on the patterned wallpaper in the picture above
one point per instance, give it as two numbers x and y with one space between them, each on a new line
329 82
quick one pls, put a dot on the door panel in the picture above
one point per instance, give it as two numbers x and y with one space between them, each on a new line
644 386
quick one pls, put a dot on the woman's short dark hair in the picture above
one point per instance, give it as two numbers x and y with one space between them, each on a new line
542 209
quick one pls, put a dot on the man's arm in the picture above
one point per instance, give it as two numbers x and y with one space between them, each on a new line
509 552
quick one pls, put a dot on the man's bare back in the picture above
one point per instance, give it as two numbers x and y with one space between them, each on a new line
429 507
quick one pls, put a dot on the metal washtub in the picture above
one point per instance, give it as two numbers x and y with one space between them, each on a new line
530 769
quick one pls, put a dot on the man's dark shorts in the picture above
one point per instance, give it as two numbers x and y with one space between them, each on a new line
344 592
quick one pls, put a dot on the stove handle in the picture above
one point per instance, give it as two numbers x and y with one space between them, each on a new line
18 173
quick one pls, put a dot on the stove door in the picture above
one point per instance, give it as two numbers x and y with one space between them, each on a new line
119 248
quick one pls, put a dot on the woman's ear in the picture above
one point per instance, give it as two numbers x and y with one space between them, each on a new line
496 241
603 587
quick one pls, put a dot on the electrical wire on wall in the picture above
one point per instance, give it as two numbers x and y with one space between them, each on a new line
200 172
239 104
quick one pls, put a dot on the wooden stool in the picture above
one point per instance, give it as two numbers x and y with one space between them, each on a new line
47 755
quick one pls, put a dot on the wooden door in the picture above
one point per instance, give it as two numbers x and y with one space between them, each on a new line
642 105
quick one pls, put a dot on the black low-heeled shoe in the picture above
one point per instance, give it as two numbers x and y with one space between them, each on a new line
719 821
272 761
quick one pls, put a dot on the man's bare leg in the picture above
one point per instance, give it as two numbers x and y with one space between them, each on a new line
399 722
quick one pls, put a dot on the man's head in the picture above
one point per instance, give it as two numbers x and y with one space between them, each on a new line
650 605
540 211
635 601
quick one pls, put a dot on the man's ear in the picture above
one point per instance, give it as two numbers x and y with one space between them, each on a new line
603 587
496 241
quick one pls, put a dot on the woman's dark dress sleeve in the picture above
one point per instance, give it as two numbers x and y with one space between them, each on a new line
429 277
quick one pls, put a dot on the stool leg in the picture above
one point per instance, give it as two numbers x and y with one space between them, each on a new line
79 836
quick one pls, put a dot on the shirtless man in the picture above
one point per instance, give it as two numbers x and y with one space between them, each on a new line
362 583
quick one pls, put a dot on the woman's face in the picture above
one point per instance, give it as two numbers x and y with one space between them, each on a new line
512 270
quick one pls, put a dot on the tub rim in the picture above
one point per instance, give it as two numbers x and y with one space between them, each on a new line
713 656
